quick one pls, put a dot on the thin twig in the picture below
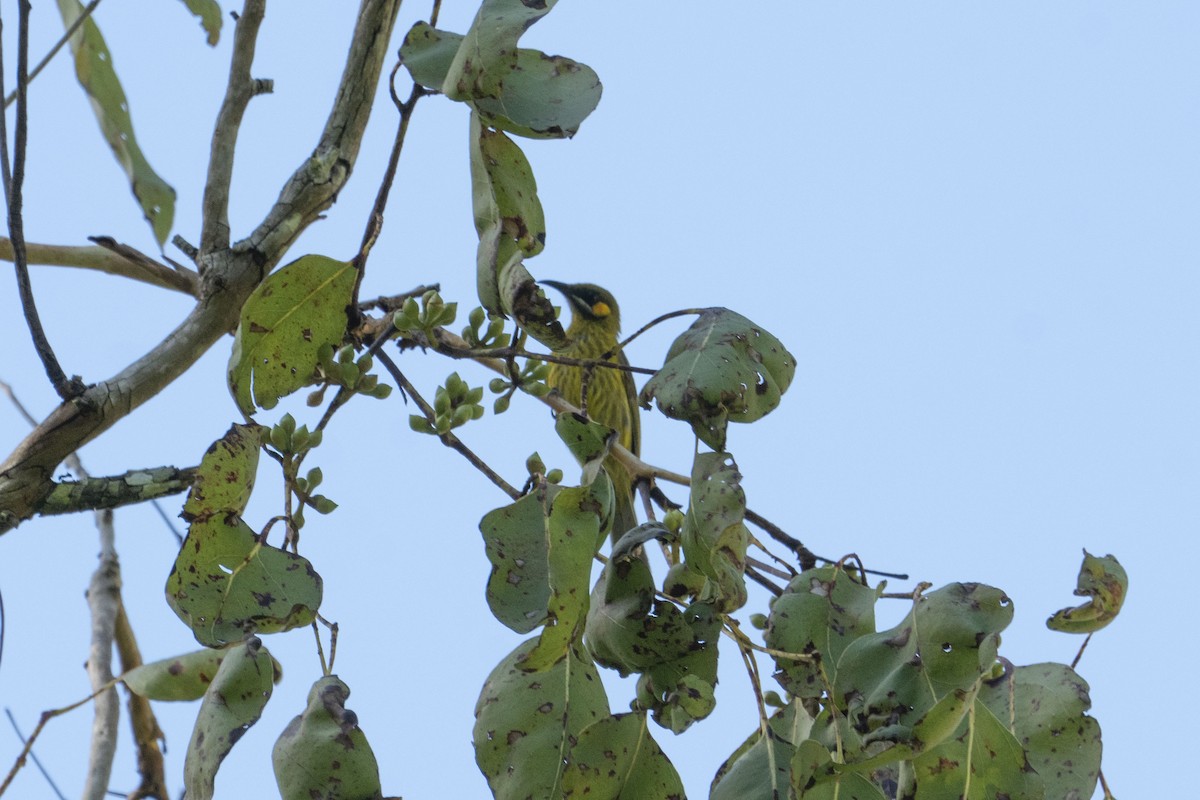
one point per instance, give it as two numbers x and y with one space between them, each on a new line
33 757
670 315
448 438
1079 655
807 559
14 180
66 37
761 579
103 259
516 352
46 716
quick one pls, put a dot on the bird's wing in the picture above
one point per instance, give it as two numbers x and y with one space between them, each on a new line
635 425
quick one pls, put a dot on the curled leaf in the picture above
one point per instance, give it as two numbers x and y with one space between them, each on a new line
1104 581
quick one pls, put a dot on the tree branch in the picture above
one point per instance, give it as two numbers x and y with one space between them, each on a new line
135 486
214 235
229 276
111 257
146 732
104 599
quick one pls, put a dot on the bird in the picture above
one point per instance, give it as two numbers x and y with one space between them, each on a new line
611 396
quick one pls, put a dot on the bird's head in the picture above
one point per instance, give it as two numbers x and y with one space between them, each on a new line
590 304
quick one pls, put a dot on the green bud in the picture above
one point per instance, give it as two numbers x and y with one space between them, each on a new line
447 315
315 476
454 384
298 518
773 699
325 353
475 395
302 486
759 621
420 424
555 475
476 317
501 404
534 464
367 383
476 411
349 374
441 402
314 439
345 354
316 397
537 389
301 439
442 425
281 439
498 385
323 504
381 392
461 416
673 520
288 423
365 362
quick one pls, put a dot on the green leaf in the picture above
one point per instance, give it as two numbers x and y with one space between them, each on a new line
821 611
724 368
94 69
714 537
681 691
574 532
616 758
209 12
887 681
525 724
185 677
225 478
588 441
233 703
516 540
1044 705
284 324
226 583
983 762
760 769
322 754
1105 582
814 777
522 91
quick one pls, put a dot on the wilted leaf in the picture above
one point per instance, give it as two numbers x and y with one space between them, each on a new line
525 723
283 325
1105 582
209 12
510 224
94 68
233 703
616 758
226 583
722 369
714 537
522 91
225 478
322 754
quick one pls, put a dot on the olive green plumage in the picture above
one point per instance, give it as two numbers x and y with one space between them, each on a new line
612 396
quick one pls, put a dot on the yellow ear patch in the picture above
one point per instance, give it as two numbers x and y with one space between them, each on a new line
601 309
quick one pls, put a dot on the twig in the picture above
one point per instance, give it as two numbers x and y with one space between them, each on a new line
448 438
178 277
1079 655
670 315
807 559
214 232
761 579
66 37
104 600
516 352
146 733
46 716
14 180
32 757
105 260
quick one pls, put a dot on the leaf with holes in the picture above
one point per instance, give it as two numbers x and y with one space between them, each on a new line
616 758
283 325
185 677
226 583
94 69
722 369
209 12
525 723
515 538
714 537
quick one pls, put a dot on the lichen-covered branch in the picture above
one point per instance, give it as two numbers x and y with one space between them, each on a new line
135 486
229 275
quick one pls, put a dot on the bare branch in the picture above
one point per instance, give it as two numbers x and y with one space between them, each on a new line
104 600
106 259
214 234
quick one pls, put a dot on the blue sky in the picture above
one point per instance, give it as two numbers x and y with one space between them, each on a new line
974 225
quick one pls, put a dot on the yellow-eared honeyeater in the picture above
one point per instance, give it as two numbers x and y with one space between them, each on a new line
611 394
